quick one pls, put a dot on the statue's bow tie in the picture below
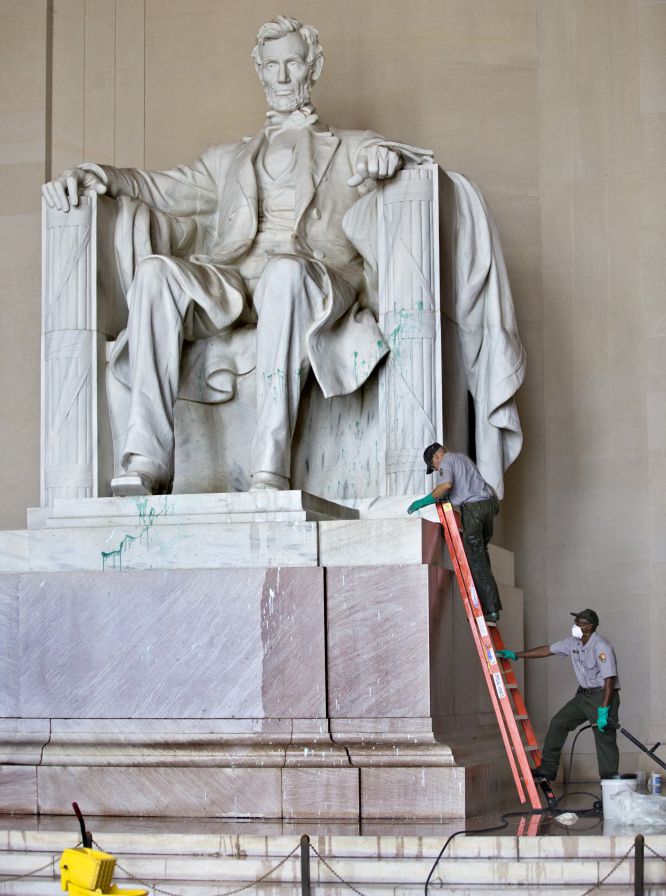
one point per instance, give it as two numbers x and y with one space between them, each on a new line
299 118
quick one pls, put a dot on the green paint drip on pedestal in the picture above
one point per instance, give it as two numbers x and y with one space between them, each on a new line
147 519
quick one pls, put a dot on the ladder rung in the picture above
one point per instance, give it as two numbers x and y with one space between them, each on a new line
513 686
521 718
528 747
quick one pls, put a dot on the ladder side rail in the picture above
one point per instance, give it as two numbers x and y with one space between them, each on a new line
529 829
516 695
499 715
445 512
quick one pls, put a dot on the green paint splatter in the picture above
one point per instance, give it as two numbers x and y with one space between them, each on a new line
274 384
147 517
395 334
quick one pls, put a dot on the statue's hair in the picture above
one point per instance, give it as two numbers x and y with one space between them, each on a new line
280 27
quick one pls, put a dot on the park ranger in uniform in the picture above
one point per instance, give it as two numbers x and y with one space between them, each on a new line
459 478
596 701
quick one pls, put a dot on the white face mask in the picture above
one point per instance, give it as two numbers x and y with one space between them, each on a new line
577 631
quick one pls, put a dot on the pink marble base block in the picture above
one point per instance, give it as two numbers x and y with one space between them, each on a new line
343 692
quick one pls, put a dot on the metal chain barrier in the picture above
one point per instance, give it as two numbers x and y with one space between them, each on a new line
614 868
156 889
335 873
26 874
654 853
51 864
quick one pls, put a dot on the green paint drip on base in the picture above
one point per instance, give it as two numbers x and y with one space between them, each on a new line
146 520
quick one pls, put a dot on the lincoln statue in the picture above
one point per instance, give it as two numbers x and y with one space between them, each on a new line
275 273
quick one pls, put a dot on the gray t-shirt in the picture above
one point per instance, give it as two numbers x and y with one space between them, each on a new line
468 484
592 662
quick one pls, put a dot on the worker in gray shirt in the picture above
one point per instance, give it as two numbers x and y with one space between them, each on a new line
596 701
459 477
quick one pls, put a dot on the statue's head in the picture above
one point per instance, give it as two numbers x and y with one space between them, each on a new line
289 59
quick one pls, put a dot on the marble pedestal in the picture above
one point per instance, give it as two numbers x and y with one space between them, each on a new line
242 656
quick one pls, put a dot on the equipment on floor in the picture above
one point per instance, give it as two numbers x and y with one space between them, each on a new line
507 701
651 751
85 871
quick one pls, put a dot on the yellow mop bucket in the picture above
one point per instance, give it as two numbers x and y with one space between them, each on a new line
88 872
84 872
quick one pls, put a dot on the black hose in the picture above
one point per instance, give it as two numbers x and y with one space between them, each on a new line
594 812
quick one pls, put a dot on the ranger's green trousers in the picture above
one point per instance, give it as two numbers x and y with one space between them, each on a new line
582 708
477 521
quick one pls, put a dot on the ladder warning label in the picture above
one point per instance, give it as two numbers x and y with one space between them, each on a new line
483 628
499 685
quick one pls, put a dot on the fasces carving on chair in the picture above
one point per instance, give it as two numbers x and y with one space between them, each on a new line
259 263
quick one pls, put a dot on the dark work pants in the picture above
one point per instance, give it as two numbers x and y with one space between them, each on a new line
582 708
477 523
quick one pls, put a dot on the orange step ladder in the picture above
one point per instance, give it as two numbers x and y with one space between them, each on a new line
505 695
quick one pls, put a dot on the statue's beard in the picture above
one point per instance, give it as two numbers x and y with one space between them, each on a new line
288 102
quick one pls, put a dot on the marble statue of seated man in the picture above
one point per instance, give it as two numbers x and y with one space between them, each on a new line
271 268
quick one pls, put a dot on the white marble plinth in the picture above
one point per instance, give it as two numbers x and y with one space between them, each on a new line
175 510
383 540
182 532
143 544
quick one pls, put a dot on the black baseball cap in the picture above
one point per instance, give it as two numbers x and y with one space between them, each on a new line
588 615
428 454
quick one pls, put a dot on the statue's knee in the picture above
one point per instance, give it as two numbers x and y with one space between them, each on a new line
156 288
284 269
152 269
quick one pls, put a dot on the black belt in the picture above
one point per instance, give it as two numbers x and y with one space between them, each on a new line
589 690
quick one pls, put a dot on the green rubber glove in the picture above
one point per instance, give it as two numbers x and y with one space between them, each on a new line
602 717
421 502
506 654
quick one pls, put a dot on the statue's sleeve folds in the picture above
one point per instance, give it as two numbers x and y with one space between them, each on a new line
181 191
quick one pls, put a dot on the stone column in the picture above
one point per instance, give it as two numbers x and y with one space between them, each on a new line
410 389
79 314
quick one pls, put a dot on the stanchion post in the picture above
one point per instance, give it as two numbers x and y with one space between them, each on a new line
639 868
305 865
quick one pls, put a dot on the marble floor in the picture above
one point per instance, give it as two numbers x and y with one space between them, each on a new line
581 797
208 857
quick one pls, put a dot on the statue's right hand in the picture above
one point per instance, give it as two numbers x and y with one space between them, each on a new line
63 192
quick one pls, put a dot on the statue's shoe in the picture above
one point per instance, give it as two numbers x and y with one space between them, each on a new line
130 484
273 482
142 477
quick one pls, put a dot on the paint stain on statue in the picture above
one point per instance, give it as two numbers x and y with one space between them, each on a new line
147 516
394 341
408 326
274 384
360 369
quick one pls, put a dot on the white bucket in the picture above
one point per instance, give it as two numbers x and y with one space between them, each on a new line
612 786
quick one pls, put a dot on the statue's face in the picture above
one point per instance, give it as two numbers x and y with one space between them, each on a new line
285 72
